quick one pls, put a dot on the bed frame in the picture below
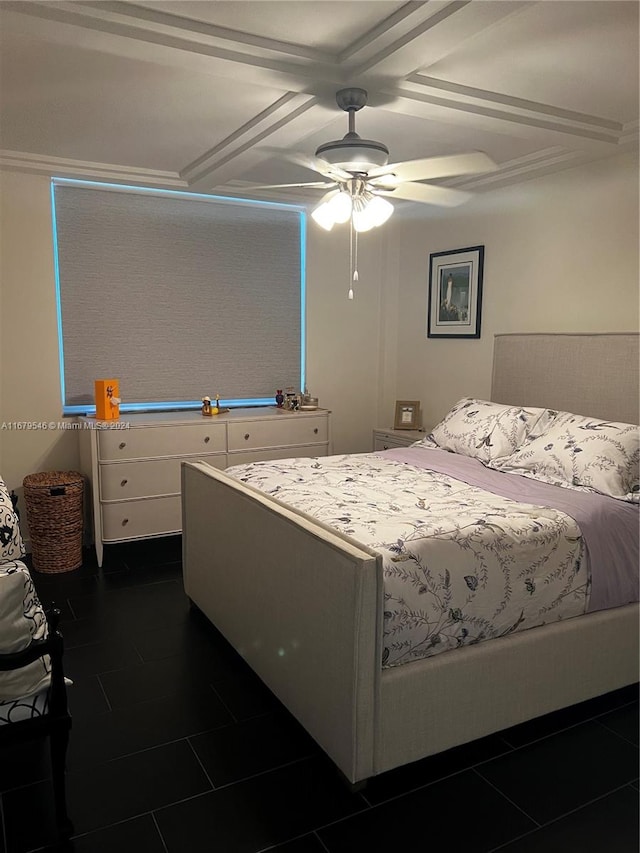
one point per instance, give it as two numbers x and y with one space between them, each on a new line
302 603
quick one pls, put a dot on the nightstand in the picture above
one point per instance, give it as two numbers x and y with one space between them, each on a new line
385 439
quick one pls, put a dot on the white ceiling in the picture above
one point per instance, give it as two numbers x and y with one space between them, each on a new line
211 96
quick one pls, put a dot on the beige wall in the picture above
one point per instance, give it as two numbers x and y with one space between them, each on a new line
343 337
561 254
29 374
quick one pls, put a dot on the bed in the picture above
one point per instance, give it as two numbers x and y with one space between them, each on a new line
305 603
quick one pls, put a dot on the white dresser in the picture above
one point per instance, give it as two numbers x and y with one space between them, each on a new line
134 471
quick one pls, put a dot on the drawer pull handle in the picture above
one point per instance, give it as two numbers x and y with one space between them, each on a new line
123 482
246 436
125 521
206 439
122 445
385 446
316 430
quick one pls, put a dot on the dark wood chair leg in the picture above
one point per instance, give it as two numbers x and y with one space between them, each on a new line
59 740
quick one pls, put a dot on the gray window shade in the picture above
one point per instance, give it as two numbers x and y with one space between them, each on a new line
177 297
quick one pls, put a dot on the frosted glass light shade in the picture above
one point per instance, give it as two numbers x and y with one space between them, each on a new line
367 211
323 216
379 209
340 206
362 222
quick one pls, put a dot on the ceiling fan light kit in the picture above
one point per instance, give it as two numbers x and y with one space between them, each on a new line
341 206
355 202
359 178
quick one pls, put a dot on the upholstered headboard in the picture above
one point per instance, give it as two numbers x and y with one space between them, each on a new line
589 374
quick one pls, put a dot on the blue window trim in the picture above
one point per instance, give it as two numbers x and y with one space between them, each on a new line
167 405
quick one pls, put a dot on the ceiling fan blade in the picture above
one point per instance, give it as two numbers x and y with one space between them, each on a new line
318 165
316 185
435 167
426 194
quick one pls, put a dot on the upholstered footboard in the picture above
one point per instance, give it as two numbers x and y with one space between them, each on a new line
300 602
303 605
431 705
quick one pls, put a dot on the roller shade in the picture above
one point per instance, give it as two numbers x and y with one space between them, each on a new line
177 296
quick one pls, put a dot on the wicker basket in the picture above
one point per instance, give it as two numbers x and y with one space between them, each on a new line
55 512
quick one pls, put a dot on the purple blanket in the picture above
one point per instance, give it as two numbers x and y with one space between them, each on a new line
609 527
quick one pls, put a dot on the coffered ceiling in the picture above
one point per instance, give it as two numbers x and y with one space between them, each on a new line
215 96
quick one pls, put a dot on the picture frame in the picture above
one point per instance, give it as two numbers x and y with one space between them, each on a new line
454 305
407 414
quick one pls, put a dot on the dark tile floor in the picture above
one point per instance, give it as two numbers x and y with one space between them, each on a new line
177 747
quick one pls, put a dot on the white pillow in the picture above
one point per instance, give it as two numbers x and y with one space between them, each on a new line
22 619
485 430
11 545
573 450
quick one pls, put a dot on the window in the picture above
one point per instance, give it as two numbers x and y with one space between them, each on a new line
177 295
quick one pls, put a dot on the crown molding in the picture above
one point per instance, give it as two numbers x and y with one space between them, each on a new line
403 19
435 31
532 165
62 167
259 61
495 105
154 20
136 31
163 28
629 136
281 113
382 59
394 47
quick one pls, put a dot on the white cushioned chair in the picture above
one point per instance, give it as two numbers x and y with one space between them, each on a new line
33 697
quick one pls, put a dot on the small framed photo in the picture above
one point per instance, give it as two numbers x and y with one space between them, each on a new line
455 293
407 414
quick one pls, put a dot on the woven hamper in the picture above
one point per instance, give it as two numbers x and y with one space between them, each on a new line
54 502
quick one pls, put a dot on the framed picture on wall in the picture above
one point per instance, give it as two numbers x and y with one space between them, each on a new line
407 414
454 305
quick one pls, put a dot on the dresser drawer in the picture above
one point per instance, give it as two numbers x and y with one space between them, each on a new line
286 430
243 458
124 480
147 442
134 473
136 519
389 439
387 443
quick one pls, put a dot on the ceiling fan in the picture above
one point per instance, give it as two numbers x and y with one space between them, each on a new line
359 178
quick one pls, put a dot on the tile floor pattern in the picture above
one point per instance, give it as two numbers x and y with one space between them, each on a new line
177 747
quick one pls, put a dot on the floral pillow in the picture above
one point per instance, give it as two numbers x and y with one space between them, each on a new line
22 619
11 545
485 430
576 451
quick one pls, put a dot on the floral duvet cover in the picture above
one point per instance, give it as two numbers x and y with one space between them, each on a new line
460 564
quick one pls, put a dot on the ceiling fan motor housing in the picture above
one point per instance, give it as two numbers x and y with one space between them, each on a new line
352 153
352 98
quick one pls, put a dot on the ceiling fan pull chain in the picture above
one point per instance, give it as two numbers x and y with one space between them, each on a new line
352 271
355 262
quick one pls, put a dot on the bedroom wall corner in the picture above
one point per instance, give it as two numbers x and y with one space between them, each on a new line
2 252
390 328
343 335
30 390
